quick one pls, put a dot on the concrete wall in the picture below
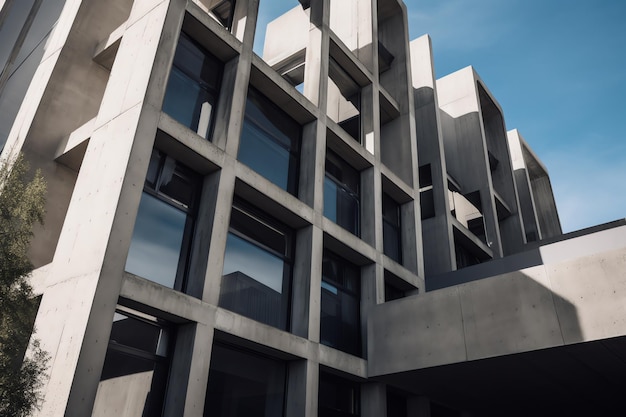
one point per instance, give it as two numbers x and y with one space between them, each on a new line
437 231
574 295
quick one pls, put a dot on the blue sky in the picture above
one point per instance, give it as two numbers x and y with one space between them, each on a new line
558 70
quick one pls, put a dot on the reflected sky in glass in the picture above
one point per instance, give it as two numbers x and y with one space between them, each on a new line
242 256
183 99
264 155
330 199
157 240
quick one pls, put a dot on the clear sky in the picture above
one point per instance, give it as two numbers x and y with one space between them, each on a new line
558 70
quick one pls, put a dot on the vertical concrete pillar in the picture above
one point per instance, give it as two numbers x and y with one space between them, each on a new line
83 285
190 369
373 400
302 389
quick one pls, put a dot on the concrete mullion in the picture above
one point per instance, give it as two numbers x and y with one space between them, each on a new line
373 399
221 222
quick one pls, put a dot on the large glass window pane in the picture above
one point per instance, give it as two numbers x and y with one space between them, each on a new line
163 228
193 87
392 243
135 370
270 142
157 240
338 397
340 324
244 384
341 193
257 268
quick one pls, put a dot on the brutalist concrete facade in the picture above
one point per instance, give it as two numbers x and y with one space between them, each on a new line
222 224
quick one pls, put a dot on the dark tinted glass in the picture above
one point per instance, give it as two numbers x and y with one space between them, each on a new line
341 193
164 223
338 397
157 241
340 324
392 244
193 86
270 142
257 269
243 384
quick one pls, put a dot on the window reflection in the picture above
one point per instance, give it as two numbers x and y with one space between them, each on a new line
163 228
134 375
257 267
193 86
340 324
341 193
270 142
392 239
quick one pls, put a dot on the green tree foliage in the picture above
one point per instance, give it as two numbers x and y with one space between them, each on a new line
21 206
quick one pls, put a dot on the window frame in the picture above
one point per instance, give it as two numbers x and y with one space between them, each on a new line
255 97
190 210
341 164
288 257
353 347
395 224
215 92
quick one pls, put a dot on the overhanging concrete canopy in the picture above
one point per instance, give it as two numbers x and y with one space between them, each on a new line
553 333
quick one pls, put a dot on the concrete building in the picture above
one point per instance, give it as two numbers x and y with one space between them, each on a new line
231 233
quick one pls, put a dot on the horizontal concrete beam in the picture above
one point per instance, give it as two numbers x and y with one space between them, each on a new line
566 300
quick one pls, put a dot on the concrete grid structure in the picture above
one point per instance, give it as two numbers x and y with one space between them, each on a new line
229 234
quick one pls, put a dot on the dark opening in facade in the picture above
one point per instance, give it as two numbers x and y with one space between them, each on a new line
392 229
340 323
243 384
341 193
338 397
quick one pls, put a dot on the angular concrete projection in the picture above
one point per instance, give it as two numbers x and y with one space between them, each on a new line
479 171
537 204
506 328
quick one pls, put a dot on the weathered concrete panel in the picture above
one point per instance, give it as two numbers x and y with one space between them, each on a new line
509 313
416 332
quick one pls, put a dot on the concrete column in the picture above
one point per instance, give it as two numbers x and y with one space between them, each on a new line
373 400
219 231
189 374
302 389
229 118
85 278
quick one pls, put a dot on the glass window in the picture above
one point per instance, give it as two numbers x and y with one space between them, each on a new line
338 397
341 193
270 142
134 375
258 265
427 198
193 86
162 236
340 325
244 384
392 238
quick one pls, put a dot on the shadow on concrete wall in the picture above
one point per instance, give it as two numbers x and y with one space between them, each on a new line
498 346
